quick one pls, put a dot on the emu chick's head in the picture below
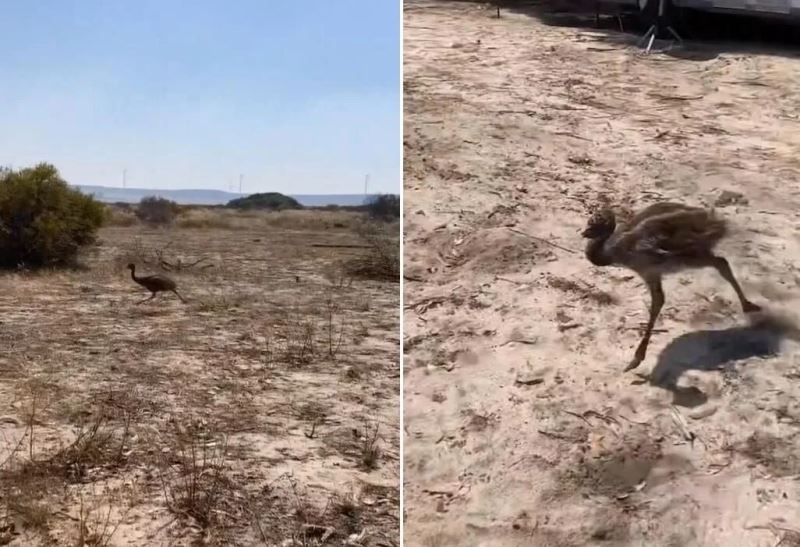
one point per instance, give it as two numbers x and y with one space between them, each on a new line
131 267
601 224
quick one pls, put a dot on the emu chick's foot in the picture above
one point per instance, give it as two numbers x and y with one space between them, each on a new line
635 362
749 307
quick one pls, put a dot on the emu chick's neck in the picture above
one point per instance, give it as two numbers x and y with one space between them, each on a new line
596 251
133 275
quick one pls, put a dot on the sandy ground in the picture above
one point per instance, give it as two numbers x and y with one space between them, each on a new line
262 412
520 426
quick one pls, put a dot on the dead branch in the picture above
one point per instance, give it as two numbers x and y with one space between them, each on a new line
556 245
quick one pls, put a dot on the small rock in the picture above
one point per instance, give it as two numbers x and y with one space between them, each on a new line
728 197
703 412
529 376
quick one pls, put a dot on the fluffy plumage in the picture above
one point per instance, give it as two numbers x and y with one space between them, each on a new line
155 283
662 238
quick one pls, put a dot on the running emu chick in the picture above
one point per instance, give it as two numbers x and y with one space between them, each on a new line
663 238
155 284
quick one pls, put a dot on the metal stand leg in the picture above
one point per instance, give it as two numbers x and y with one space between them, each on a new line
653 31
649 37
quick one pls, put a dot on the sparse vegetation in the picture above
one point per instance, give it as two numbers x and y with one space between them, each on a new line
370 450
43 222
193 474
266 340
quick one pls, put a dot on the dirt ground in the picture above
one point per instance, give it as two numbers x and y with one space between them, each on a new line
264 411
520 426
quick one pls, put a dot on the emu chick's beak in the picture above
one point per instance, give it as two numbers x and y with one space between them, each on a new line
585 233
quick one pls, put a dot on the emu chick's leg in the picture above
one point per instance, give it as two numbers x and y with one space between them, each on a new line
152 295
656 302
179 295
725 271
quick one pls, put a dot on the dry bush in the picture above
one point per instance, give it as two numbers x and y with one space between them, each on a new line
334 336
97 523
370 451
384 207
161 257
30 475
157 211
193 474
381 261
295 340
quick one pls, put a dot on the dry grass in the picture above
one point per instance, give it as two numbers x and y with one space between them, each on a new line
208 219
117 216
218 218
175 423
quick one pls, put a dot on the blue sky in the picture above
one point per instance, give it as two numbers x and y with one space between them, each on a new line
301 97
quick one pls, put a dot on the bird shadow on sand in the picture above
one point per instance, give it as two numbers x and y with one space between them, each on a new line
717 350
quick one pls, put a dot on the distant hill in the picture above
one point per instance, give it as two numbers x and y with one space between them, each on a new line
110 194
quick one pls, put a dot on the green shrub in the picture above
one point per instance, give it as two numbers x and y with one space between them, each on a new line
273 201
156 210
42 220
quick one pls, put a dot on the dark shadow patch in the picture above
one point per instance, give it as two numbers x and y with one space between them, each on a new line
706 35
717 350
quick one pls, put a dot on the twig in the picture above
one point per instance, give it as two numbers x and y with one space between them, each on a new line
531 342
644 328
525 112
331 246
573 135
554 435
427 302
579 416
507 280
677 97
313 430
683 427
556 245
632 421
719 467
608 420
774 528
